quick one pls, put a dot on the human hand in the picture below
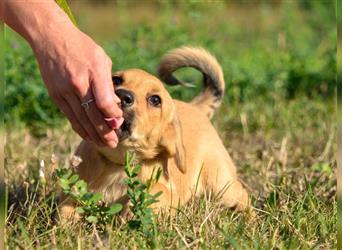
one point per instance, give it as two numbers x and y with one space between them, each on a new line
75 70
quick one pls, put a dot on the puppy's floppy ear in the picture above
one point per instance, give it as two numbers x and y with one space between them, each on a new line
171 141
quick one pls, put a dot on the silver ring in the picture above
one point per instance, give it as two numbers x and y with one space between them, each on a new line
85 104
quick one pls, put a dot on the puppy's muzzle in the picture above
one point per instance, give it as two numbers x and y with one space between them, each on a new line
126 97
127 100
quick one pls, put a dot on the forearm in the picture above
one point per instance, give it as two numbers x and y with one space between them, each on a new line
33 19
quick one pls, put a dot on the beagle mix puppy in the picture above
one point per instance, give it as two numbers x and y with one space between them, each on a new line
163 132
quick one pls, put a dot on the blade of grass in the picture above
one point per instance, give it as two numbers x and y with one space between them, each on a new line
64 5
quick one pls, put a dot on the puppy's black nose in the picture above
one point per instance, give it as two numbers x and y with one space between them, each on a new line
126 97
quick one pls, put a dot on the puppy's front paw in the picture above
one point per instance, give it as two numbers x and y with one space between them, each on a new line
68 214
243 200
236 197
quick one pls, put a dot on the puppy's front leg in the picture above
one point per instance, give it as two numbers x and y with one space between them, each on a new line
235 195
165 199
67 209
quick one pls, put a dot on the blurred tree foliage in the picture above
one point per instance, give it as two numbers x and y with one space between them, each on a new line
268 49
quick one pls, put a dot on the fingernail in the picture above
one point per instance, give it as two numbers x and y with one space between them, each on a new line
112 144
114 123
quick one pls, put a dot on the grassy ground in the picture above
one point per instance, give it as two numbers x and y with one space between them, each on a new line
277 122
285 157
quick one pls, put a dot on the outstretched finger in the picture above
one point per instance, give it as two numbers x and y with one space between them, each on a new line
83 119
67 111
106 100
107 134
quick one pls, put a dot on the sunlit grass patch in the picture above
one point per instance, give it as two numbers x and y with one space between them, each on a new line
291 181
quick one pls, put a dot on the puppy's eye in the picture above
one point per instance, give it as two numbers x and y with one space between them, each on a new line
154 100
117 80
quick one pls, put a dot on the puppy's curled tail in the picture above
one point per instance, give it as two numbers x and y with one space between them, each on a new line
202 60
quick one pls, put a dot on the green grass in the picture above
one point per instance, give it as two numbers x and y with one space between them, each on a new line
277 122
288 169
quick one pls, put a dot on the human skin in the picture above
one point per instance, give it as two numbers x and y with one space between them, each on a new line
74 68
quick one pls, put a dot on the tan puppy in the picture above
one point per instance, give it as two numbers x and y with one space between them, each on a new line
172 134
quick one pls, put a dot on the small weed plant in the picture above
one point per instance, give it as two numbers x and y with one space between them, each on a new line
92 208
89 205
141 200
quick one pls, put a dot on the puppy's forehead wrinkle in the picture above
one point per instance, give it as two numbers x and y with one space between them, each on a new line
139 76
153 91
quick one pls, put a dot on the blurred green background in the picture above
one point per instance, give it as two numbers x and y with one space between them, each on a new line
268 49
